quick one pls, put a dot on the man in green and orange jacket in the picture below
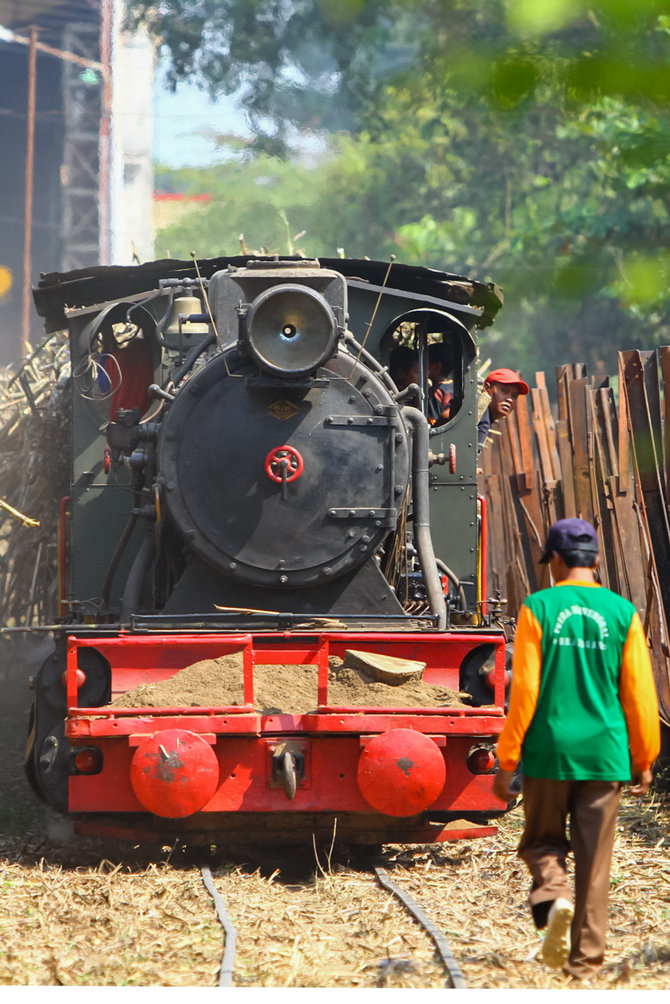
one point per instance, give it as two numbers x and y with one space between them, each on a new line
583 705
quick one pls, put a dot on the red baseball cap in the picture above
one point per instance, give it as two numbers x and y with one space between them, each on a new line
507 376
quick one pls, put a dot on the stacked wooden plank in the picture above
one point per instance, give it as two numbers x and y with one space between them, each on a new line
601 455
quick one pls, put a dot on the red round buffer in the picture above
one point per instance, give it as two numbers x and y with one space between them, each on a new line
174 773
401 772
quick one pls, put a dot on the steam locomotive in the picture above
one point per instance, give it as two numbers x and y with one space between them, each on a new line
248 480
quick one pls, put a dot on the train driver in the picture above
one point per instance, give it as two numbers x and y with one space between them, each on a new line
501 391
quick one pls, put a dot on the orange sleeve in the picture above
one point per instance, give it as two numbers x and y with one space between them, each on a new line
526 665
637 693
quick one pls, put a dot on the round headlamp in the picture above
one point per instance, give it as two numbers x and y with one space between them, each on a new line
290 330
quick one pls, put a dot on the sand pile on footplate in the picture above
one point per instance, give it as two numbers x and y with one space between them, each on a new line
279 689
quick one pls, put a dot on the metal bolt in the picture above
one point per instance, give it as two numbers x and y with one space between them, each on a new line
327 571
283 579
232 566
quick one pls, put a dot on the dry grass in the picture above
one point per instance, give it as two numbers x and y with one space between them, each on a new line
477 895
106 926
75 918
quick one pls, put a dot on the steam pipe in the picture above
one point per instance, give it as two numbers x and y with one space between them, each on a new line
131 595
456 582
118 554
191 358
370 361
421 511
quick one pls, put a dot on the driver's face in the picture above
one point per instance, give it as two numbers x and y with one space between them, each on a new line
503 399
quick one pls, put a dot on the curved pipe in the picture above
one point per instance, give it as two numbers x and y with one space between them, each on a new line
118 554
131 594
421 512
411 393
370 361
455 581
192 357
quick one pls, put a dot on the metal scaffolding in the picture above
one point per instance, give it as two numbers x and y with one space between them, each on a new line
81 166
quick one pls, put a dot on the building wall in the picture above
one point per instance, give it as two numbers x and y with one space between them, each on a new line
132 148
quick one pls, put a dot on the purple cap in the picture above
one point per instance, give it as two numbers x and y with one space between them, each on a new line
571 534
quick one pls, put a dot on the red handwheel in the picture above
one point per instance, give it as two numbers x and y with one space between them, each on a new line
284 463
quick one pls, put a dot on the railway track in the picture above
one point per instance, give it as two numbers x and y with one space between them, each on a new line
96 914
389 968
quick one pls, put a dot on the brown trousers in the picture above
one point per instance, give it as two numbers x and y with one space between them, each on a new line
592 808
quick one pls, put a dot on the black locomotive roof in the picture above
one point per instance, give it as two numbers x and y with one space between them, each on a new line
57 292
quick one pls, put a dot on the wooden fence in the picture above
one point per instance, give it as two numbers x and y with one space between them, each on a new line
603 454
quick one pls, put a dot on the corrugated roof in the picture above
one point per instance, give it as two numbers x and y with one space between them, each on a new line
87 286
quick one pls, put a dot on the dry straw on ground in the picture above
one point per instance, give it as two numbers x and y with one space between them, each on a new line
69 917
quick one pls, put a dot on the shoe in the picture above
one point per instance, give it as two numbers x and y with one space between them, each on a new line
556 945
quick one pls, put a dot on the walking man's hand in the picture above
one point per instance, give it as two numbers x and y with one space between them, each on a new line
642 781
501 785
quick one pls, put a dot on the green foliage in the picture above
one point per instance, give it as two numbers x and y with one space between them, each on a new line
307 62
259 204
512 140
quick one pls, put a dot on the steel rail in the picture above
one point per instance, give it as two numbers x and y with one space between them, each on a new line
455 975
228 961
